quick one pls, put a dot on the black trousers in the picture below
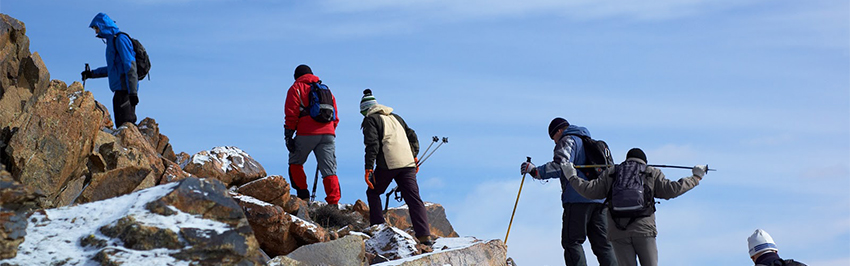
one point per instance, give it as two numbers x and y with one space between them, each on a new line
406 180
124 107
586 221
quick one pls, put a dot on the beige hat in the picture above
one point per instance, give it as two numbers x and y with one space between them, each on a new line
760 242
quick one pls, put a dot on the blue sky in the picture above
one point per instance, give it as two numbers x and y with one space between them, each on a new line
757 89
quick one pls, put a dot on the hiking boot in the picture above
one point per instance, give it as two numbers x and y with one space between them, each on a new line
425 240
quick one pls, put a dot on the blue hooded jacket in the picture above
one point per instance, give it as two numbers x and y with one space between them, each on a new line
569 148
120 56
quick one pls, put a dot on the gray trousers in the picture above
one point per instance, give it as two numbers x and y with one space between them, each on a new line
322 146
642 247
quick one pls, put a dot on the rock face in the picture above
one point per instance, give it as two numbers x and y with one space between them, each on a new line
474 253
150 129
15 201
440 226
272 189
191 220
51 146
230 165
346 251
22 75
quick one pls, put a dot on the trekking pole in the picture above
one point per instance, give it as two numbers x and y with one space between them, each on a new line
387 204
528 159
434 139
87 70
679 167
315 183
445 140
653 165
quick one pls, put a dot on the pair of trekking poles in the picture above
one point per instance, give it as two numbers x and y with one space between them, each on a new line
395 190
528 159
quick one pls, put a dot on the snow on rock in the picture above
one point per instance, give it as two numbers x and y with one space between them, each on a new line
457 251
80 235
391 243
228 164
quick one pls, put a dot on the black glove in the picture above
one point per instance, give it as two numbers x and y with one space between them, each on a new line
134 99
290 143
87 74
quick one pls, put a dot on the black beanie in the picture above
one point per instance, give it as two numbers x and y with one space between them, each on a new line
556 124
636 153
301 70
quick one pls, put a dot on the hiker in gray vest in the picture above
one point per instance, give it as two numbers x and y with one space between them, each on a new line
634 236
763 251
391 149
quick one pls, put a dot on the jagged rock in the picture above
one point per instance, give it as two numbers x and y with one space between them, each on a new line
22 74
150 129
107 118
272 189
476 253
173 172
230 165
191 220
270 224
52 145
131 138
138 236
120 164
346 251
440 226
297 207
390 243
16 200
362 208
306 232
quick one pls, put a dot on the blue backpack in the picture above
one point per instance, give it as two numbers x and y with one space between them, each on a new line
321 105
629 196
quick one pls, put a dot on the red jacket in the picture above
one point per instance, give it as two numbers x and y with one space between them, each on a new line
305 125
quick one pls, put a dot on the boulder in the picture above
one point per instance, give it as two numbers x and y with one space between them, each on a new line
230 165
390 243
173 172
272 189
361 208
54 140
150 129
306 232
475 252
440 227
298 207
122 163
270 224
346 251
16 200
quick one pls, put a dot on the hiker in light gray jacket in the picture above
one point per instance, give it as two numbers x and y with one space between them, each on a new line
638 238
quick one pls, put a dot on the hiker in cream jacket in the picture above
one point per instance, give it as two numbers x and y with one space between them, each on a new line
391 149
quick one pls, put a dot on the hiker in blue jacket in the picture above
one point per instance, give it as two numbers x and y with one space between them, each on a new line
120 68
583 218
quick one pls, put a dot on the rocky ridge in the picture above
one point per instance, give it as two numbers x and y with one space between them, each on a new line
77 190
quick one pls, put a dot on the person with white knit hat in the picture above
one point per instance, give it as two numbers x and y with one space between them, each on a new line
763 251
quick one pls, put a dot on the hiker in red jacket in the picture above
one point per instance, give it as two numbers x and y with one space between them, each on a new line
311 136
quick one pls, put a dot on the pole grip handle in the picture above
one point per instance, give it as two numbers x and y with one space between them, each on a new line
528 159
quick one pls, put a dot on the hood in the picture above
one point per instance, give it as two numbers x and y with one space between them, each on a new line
105 24
379 109
576 130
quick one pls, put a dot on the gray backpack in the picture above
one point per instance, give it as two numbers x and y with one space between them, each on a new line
629 197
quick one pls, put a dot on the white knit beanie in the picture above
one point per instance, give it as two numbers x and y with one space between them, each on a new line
760 242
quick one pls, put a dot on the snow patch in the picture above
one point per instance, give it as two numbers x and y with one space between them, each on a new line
443 244
250 199
54 235
228 157
310 226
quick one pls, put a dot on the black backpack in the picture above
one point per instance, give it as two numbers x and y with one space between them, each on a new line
143 62
629 197
596 152
321 105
